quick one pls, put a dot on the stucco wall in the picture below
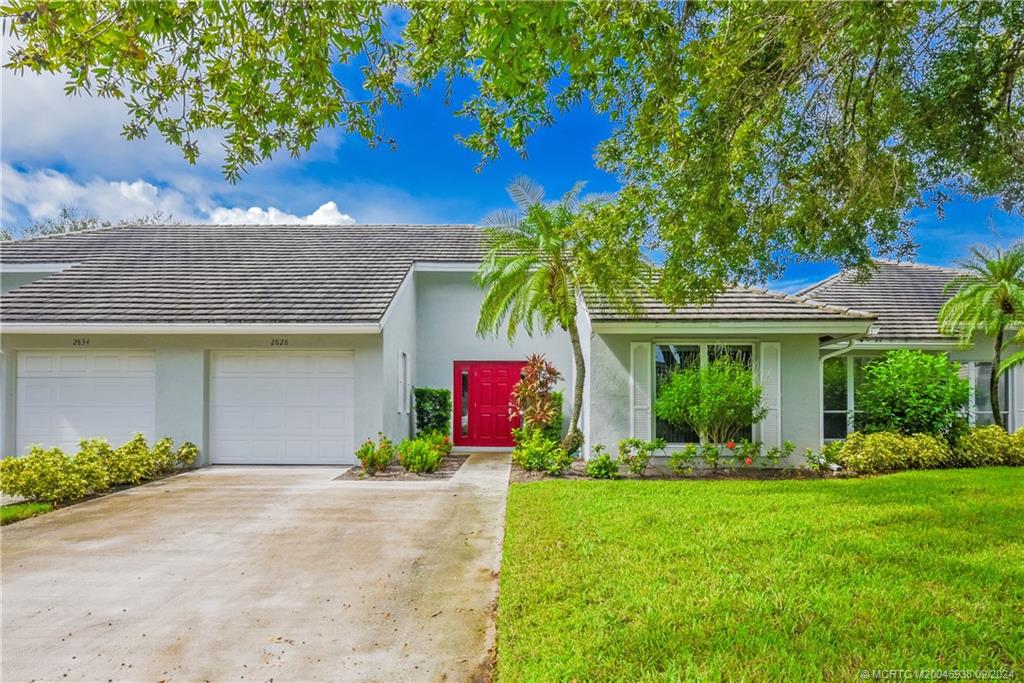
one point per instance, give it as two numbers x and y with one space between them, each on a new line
609 418
447 306
182 363
399 336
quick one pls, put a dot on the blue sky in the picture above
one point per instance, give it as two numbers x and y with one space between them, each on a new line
75 155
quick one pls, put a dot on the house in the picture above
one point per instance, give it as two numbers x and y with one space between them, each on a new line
906 298
293 344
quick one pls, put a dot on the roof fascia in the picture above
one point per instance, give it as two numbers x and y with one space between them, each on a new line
746 326
190 328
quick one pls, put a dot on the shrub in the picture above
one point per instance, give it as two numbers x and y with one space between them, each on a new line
745 453
601 465
716 400
553 429
42 475
375 457
681 461
419 455
536 452
1016 454
711 456
912 392
823 460
433 410
776 453
890 452
990 445
91 464
441 443
186 455
131 462
635 454
50 475
162 456
533 395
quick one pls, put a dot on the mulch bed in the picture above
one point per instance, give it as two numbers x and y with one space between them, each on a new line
449 466
659 471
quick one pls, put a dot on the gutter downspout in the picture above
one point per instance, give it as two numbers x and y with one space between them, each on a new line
821 386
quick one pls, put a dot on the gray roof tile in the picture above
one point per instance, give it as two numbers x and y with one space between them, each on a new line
227 274
905 296
736 303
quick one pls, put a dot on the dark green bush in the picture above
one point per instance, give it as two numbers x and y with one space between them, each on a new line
433 410
912 392
553 429
601 465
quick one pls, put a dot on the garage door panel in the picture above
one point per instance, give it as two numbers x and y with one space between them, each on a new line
278 407
64 397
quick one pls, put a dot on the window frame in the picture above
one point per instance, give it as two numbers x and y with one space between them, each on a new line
403 383
702 345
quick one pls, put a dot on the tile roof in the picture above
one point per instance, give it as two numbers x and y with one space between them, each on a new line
227 274
905 296
736 303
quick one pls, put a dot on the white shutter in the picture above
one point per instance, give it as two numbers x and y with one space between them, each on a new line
1016 397
640 390
771 394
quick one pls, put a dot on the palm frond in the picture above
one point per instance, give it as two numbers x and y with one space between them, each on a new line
525 192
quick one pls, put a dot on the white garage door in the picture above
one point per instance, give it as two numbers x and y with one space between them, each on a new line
66 396
281 407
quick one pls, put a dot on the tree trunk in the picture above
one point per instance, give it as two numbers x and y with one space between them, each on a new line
993 380
573 437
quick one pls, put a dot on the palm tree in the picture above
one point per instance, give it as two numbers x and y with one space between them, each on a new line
539 260
988 297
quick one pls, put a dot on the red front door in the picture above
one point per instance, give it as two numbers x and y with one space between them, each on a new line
482 391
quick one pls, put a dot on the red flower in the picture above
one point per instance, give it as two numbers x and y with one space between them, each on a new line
731 445
749 460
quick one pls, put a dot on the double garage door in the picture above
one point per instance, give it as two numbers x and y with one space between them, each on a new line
273 407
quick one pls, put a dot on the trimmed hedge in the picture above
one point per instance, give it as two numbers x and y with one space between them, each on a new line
990 445
50 475
891 452
433 410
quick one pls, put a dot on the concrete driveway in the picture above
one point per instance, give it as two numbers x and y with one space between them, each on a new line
259 574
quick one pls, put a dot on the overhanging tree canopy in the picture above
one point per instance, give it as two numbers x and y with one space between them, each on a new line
745 133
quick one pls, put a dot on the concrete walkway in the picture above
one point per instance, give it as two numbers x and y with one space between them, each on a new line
246 573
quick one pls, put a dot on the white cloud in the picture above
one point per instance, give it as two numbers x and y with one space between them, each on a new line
33 195
327 214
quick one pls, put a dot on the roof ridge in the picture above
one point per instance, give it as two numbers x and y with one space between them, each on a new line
86 231
842 274
810 302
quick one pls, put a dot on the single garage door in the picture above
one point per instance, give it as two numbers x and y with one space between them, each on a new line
66 396
281 407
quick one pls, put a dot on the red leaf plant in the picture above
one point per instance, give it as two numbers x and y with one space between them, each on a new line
531 396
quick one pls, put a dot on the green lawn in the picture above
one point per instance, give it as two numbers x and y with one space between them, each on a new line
656 580
19 511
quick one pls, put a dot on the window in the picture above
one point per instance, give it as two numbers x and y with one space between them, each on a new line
403 382
670 357
980 376
841 379
464 403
